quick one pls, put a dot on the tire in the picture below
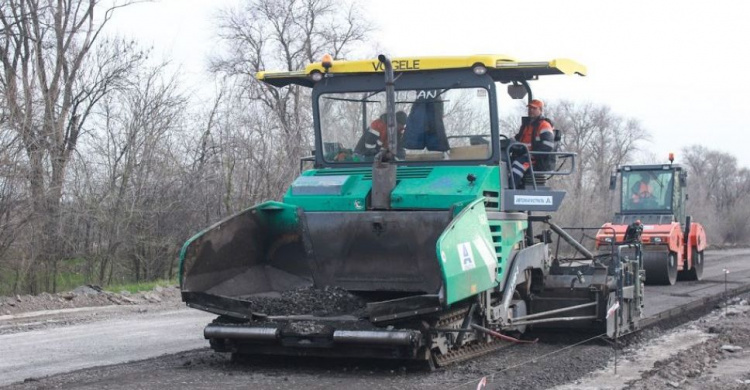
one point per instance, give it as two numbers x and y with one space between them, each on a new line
696 272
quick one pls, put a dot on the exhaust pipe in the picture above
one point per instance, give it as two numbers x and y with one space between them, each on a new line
383 169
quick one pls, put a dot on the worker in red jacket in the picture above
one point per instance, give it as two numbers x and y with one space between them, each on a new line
537 133
377 135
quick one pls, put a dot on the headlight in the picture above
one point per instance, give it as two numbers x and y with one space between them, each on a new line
479 70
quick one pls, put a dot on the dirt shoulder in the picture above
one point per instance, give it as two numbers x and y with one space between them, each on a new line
712 353
85 296
721 362
23 313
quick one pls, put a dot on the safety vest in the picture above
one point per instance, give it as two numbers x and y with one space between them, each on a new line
641 190
538 135
535 135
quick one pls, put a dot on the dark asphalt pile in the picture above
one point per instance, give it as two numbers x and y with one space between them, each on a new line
320 302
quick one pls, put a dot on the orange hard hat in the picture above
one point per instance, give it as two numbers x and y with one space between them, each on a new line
536 103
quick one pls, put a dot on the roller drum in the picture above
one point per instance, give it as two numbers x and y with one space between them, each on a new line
660 266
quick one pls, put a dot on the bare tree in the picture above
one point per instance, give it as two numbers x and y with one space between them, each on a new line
719 191
13 217
260 146
138 174
50 81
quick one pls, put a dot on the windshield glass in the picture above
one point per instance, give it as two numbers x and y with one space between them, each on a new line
647 190
435 124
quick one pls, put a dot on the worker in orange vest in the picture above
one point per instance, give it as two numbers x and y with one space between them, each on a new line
642 189
537 133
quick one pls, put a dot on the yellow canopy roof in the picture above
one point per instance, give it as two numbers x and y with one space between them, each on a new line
500 67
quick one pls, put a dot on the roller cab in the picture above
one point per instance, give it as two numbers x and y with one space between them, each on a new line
655 196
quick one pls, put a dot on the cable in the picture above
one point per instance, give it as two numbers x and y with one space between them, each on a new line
492 375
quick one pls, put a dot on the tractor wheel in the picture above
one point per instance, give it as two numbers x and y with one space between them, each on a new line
696 272
660 266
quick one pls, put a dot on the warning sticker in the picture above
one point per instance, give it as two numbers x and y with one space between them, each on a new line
466 255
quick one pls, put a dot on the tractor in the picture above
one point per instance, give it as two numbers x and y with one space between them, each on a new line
654 195
407 225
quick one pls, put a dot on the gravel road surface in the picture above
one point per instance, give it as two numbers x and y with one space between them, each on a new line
171 341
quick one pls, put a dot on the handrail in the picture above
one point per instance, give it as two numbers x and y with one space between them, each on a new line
522 146
571 155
